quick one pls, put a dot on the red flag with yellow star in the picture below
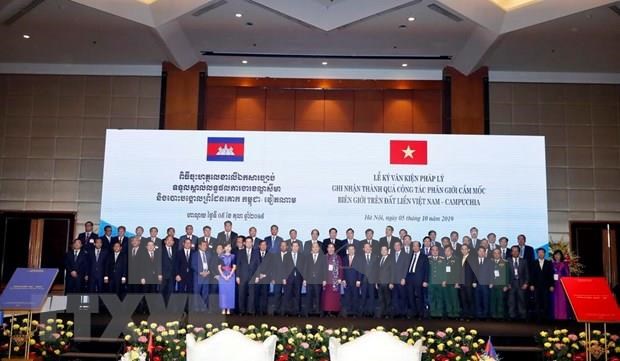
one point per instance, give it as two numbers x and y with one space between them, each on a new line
408 152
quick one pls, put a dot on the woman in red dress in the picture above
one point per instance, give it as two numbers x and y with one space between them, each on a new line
331 291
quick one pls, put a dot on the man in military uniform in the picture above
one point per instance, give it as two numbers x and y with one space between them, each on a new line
437 282
499 285
453 275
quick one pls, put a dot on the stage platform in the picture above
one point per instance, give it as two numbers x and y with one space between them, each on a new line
513 340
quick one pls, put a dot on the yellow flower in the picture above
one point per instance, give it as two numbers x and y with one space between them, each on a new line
458 358
172 332
153 325
344 329
252 336
35 322
69 334
144 323
551 352
324 348
291 341
556 332
440 347
182 354
449 330
547 344
308 326
473 332
57 352
582 334
564 331
474 345
127 337
280 347
410 341
420 329
48 328
565 340
461 329
543 334
32 342
209 325
50 321
449 343
320 328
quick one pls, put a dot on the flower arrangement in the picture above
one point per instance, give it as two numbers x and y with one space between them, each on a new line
563 345
136 354
49 340
300 343
573 261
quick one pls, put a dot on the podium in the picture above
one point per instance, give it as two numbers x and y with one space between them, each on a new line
26 293
592 302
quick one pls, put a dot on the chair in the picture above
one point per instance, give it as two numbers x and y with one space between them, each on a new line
230 345
375 345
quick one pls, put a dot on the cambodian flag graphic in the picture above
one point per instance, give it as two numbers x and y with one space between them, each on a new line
225 149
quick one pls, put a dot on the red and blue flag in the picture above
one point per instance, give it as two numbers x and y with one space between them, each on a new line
225 149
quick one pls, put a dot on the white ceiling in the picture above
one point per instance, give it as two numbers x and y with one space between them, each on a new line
547 35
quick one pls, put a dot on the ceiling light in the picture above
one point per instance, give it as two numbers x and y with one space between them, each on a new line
404 65
411 18
324 63
244 61
26 36
239 15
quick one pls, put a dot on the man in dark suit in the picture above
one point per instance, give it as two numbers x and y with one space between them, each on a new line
315 276
492 241
292 239
541 284
314 239
140 234
374 243
153 236
88 237
116 273
121 238
135 266
76 268
189 234
107 238
247 265
352 280
273 240
294 281
206 236
169 254
152 275
333 239
201 267
400 261
483 268
389 239
183 268
475 241
97 262
281 265
417 281
170 231
519 281
454 242
349 241
227 236
262 278
384 285
468 279
368 281
526 252
252 234
504 250
433 236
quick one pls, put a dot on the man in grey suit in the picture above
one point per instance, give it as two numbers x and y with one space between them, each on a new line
227 236
518 283
153 232
389 239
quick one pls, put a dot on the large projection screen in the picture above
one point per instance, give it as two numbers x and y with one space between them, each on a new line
308 180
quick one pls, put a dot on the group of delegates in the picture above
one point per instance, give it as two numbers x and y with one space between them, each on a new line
393 276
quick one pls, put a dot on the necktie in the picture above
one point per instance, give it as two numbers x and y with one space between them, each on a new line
227 237
262 254
248 252
97 256
413 261
367 259
187 255
350 260
203 257
135 250
75 254
295 259
115 257
480 261
397 254
151 255
169 252
314 256
382 261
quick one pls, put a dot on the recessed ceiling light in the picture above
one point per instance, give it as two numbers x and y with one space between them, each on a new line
239 15
324 63
404 65
411 18
244 61
26 36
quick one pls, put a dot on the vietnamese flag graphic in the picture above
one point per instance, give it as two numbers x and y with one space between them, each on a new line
408 152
